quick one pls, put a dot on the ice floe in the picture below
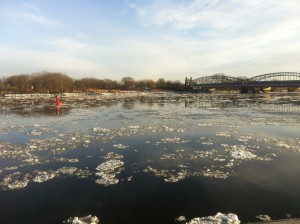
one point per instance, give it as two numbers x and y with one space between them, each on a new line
169 176
43 176
239 152
265 218
223 133
14 181
83 220
107 171
205 124
17 180
219 218
120 146
113 155
181 219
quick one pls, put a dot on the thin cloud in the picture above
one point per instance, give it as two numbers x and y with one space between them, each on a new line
66 43
30 6
161 38
37 19
28 61
216 14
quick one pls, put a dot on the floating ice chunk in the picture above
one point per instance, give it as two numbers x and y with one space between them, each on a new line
83 220
18 184
244 138
219 218
43 176
74 171
168 175
34 132
107 180
99 129
181 219
120 146
239 152
11 168
133 127
209 142
205 124
62 159
112 155
67 170
14 181
73 160
173 140
173 178
216 174
265 218
223 133
108 171
168 156
283 144
110 165
168 129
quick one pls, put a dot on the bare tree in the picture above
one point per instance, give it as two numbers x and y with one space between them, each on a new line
128 82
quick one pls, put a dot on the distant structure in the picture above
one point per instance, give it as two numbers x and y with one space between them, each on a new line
254 84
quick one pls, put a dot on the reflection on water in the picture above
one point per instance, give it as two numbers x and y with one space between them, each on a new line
127 159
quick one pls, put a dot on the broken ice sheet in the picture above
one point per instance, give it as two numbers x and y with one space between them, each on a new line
290 144
169 175
83 220
215 173
219 218
43 176
112 155
205 124
224 134
239 152
173 140
244 138
205 141
180 219
14 151
264 218
15 181
107 172
62 159
74 171
120 146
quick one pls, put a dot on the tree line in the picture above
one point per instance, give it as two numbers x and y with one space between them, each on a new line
55 82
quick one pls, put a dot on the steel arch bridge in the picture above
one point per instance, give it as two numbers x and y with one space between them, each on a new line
279 79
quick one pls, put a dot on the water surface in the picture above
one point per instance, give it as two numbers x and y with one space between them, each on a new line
150 159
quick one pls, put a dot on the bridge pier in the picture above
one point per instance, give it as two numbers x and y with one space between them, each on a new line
188 83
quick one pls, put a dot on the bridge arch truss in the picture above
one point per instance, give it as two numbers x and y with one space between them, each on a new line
279 79
216 80
280 76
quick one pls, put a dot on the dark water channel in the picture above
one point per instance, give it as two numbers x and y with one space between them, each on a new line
149 159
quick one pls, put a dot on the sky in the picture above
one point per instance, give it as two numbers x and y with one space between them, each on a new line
149 39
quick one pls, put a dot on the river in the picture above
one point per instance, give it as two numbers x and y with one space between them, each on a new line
149 158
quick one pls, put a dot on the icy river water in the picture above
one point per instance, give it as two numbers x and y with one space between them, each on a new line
149 158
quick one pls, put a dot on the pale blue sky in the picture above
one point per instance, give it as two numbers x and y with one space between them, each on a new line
148 39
